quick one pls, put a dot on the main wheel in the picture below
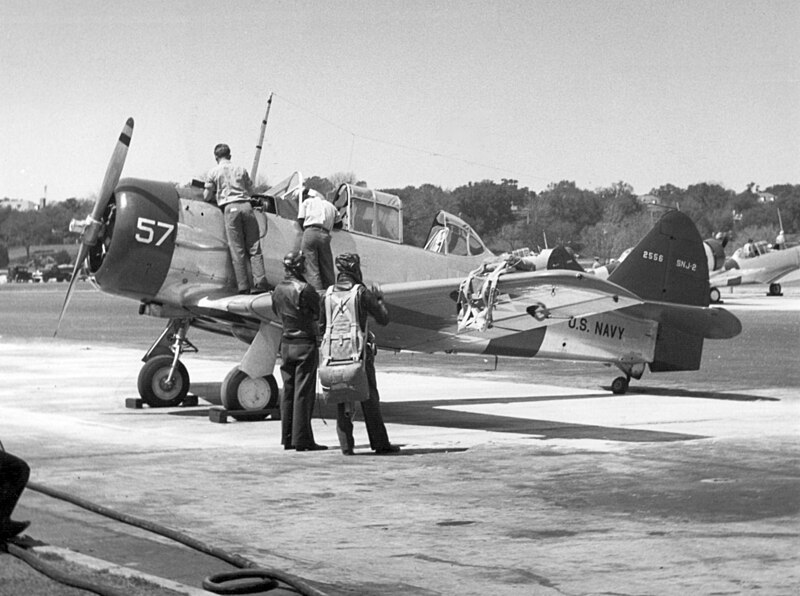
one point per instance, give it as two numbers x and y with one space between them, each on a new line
154 388
714 295
242 392
774 289
619 385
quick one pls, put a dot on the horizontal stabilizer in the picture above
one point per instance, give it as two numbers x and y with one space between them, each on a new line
708 323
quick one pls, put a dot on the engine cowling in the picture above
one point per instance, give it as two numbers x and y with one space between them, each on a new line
135 250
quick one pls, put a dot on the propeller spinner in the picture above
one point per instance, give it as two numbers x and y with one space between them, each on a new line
95 228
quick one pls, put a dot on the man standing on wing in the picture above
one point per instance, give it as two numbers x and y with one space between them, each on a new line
229 186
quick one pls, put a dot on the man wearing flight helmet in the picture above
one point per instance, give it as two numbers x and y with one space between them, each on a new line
297 304
368 302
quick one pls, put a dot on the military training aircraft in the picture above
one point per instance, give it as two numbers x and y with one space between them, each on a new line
756 263
163 247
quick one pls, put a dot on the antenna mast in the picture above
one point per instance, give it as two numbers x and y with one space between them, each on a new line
254 169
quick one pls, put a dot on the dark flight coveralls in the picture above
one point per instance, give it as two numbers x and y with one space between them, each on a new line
297 304
368 303
14 474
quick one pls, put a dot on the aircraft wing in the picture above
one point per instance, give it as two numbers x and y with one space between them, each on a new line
425 314
257 306
760 275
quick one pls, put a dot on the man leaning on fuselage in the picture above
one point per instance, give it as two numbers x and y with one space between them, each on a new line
230 186
317 217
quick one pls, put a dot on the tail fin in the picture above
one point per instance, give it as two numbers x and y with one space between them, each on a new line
668 265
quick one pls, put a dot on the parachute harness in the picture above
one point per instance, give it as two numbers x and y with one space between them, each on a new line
478 293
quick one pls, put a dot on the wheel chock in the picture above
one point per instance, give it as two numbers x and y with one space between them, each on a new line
135 403
217 414
220 415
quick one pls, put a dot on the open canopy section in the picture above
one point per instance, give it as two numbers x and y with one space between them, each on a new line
284 197
370 212
451 235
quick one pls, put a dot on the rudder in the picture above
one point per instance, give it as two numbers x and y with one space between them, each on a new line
668 265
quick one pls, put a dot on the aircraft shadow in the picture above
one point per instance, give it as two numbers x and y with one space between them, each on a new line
404 451
669 392
428 413
431 413
195 412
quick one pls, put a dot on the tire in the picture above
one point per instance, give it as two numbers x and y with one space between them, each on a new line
619 385
152 387
714 295
241 392
774 289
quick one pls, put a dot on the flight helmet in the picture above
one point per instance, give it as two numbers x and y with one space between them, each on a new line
294 261
349 262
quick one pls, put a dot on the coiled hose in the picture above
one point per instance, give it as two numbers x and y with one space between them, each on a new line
266 577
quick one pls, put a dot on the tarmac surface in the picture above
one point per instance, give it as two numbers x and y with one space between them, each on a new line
528 477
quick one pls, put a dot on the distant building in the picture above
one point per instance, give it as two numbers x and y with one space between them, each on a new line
765 197
649 199
18 204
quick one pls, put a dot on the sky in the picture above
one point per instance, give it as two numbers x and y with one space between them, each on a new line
402 93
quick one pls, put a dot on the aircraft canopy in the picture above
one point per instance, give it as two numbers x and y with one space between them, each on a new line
370 212
451 235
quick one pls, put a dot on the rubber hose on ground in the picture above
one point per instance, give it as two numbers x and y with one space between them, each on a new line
236 560
60 576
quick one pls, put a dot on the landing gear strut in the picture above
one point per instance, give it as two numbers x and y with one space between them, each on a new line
163 380
634 370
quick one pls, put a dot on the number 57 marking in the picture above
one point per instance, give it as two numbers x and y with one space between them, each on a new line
147 228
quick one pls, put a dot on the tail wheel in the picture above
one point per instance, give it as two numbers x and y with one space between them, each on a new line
714 295
155 387
619 385
775 290
242 392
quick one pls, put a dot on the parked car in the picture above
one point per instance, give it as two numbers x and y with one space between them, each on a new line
19 274
57 272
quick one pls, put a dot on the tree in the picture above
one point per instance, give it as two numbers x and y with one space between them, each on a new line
322 185
564 210
619 202
338 178
420 206
669 195
709 206
488 206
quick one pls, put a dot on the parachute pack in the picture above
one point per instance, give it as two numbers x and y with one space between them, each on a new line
342 358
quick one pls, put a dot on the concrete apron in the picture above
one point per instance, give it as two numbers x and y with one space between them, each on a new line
501 488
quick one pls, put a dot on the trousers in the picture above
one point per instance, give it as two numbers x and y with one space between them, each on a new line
244 242
316 246
299 372
373 419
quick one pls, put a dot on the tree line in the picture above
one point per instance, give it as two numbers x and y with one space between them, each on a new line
601 222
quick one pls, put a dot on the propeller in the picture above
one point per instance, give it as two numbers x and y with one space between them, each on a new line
92 231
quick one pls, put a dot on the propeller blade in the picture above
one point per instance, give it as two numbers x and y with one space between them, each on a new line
110 181
82 252
92 231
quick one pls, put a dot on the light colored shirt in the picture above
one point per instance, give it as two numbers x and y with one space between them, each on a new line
228 183
316 211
